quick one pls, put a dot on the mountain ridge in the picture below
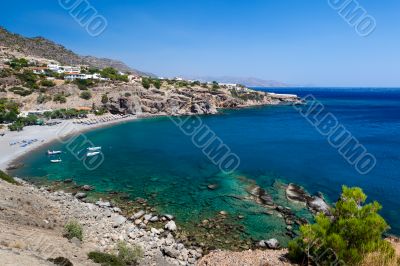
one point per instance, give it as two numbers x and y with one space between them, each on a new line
43 47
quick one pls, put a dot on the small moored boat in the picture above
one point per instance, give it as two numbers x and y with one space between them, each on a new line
94 148
53 152
91 154
56 161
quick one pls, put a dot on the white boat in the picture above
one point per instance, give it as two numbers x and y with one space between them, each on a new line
53 152
91 154
94 148
56 161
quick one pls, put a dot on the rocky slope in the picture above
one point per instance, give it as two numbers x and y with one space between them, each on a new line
41 47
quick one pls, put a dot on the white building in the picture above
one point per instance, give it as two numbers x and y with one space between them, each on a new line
64 69
95 76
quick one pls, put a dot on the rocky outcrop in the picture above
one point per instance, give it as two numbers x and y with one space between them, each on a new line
316 204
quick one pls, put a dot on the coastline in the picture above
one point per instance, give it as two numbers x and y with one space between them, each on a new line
45 135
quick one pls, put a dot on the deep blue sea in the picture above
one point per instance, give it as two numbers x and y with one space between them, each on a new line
152 158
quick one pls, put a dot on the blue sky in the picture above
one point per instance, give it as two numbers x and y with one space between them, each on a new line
298 42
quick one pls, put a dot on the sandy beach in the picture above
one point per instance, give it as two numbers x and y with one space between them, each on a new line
11 143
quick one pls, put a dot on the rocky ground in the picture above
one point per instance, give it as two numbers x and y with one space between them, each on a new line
246 258
32 220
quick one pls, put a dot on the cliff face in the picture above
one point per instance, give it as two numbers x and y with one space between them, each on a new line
133 98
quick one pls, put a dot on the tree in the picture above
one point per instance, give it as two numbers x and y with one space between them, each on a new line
157 83
146 83
47 83
354 231
86 95
104 99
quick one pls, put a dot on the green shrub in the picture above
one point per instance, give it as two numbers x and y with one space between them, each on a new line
29 79
16 126
129 255
104 99
146 83
43 98
73 229
47 83
60 98
84 84
8 111
355 230
17 64
86 95
20 91
7 178
105 259
127 94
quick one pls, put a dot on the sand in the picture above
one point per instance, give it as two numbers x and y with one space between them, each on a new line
45 135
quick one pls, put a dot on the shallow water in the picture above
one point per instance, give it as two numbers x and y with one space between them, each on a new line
153 159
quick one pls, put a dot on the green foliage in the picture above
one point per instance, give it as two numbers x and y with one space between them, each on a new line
84 84
104 99
7 178
60 98
29 79
16 126
157 83
47 83
18 64
65 114
146 83
20 91
73 229
113 74
21 122
86 95
42 98
247 95
215 86
4 73
127 94
129 255
105 259
355 230
8 111
101 111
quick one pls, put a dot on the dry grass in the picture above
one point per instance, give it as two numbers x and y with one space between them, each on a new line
378 259
18 244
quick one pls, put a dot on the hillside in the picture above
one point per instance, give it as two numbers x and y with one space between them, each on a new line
41 47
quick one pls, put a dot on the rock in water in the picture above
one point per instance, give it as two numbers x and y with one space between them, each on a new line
296 193
272 243
171 226
318 204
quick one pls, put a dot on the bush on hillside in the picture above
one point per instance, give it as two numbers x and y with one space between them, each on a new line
20 91
59 98
8 111
17 64
47 83
129 255
73 229
105 259
86 95
7 178
354 231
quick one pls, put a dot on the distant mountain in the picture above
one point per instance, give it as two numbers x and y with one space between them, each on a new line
246 81
41 47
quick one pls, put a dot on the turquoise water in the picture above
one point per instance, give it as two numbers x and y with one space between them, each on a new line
153 159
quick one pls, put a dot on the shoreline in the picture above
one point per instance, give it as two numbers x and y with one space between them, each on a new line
9 155
44 135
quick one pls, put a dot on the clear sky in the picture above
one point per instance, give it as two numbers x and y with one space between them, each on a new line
294 41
